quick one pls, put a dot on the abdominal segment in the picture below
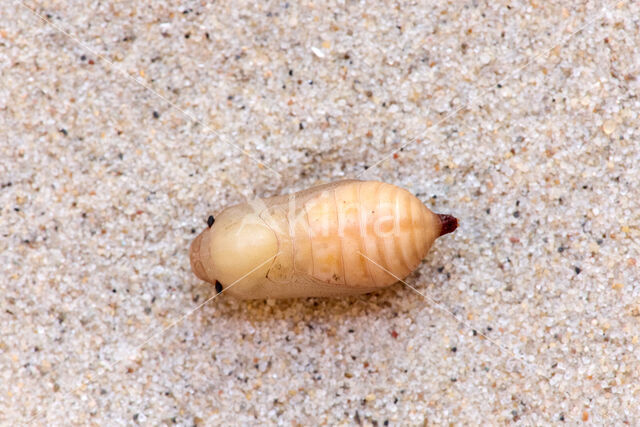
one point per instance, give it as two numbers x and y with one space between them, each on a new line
354 235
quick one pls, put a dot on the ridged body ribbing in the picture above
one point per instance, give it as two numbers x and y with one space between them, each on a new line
326 234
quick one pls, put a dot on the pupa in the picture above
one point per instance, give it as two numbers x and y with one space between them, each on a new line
344 238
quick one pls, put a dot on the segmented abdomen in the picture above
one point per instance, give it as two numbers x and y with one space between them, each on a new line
357 233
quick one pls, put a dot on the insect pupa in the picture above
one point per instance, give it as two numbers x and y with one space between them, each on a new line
345 238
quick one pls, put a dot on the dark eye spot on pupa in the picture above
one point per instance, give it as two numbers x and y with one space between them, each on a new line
218 287
210 221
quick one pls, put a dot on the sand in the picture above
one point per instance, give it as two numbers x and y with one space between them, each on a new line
124 125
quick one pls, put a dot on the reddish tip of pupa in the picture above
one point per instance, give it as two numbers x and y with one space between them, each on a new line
448 224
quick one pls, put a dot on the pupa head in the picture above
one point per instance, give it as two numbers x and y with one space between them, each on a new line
228 251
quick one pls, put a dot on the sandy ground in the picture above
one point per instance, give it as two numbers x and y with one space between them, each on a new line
123 125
